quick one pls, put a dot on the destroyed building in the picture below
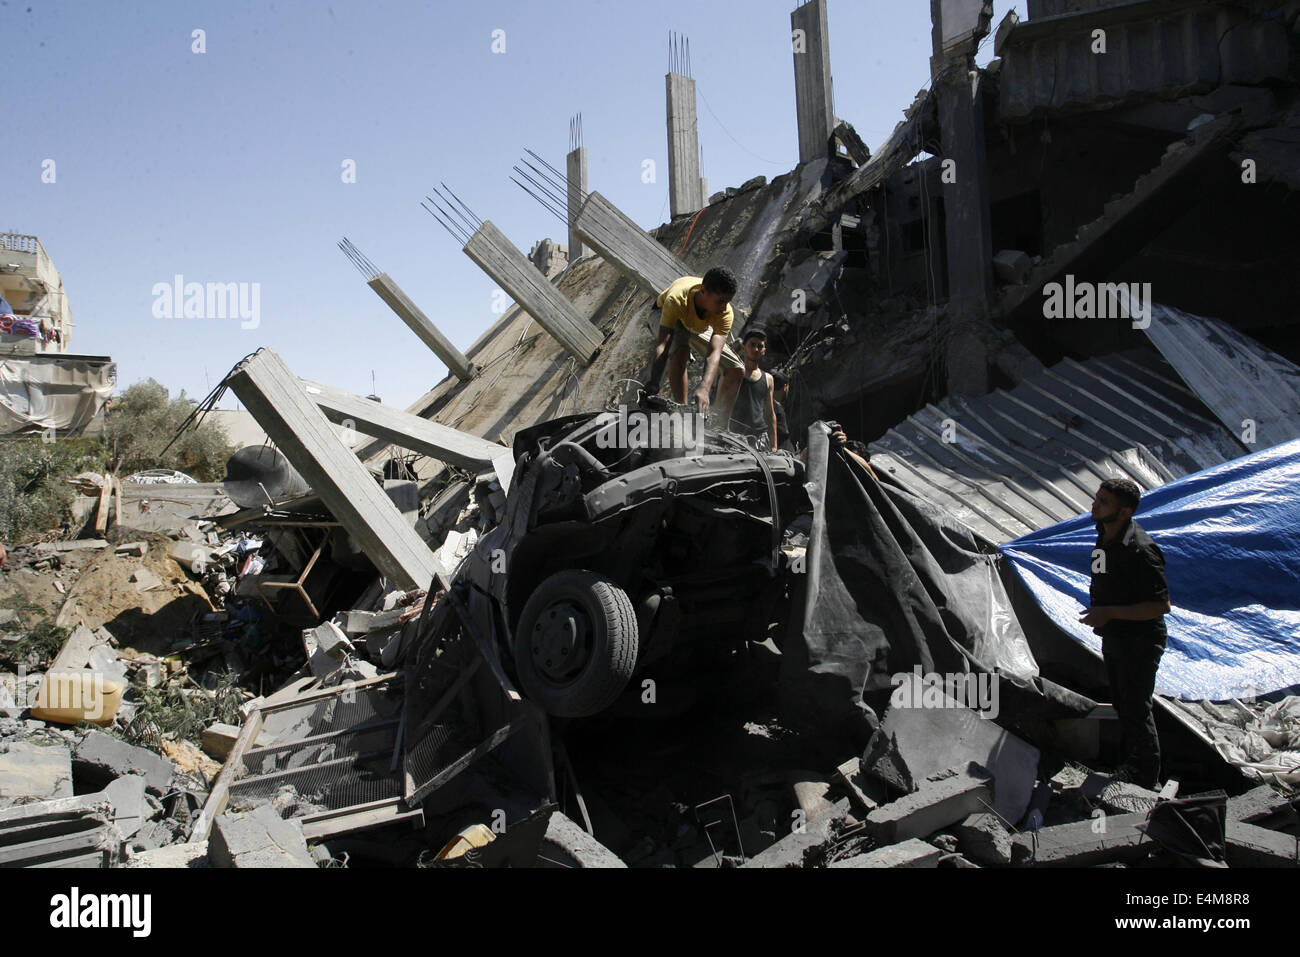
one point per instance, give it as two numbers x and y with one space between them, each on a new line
1071 264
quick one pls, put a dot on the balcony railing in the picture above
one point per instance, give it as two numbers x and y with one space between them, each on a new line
18 242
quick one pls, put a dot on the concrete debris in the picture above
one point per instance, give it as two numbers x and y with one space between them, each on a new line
259 838
101 757
915 743
1103 839
174 856
984 838
31 773
132 549
912 853
1264 805
938 801
1251 846
808 839
568 845
84 544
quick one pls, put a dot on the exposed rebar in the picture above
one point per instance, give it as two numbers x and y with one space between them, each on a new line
358 259
545 203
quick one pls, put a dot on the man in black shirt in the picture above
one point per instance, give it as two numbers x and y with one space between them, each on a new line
1129 598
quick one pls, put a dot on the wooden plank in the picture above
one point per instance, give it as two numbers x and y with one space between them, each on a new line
358 818
117 501
220 793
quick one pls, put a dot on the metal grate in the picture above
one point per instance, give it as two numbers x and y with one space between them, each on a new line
337 750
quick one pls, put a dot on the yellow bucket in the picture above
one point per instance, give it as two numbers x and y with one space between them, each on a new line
476 835
69 697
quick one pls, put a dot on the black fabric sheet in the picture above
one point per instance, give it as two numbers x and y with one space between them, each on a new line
890 584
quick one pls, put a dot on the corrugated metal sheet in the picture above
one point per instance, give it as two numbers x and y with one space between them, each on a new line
1012 462
1240 380
1156 48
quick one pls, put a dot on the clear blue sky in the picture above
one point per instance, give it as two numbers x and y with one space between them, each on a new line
225 166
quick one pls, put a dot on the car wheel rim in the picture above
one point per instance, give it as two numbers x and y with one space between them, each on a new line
561 643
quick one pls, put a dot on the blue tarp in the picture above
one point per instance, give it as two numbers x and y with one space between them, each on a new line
1231 541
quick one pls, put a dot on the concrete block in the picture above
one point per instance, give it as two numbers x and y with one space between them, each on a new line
260 838
328 638
133 549
1252 846
568 843
984 838
130 808
940 801
1105 839
925 741
30 773
911 853
101 758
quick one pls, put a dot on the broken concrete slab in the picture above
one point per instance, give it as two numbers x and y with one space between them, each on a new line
145 580
259 838
790 850
567 843
1264 803
912 853
101 758
1252 846
31 773
939 801
75 653
1102 840
915 743
172 856
130 808
132 549
984 838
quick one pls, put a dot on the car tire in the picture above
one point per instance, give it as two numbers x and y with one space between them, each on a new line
576 643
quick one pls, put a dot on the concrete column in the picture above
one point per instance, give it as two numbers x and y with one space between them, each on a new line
410 313
814 98
577 171
500 259
280 404
683 146
628 247
969 231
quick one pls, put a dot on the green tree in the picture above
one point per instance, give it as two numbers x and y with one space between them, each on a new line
143 419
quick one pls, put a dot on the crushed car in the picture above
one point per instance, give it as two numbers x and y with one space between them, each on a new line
631 538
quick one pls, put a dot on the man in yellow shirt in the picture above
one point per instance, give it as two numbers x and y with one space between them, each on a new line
696 315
